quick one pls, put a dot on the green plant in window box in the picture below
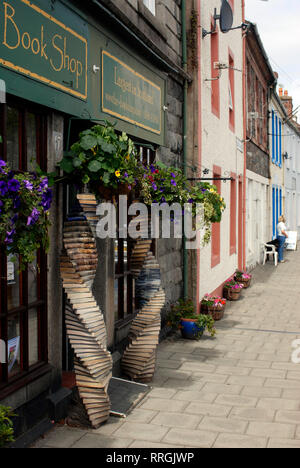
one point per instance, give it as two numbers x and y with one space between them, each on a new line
25 200
6 426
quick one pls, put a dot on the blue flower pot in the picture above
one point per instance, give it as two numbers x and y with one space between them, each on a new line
190 330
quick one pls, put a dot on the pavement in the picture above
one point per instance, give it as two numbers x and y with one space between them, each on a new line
240 389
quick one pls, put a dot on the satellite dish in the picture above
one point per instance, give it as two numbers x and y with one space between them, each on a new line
226 17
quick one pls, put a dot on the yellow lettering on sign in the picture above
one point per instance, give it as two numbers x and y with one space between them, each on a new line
9 18
58 69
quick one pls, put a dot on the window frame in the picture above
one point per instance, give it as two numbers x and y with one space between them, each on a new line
27 373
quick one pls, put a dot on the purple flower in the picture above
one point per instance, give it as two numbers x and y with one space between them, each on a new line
33 218
163 199
3 188
152 169
162 189
2 164
13 185
28 185
9 236
14 219
17 203
46 200
173 182
190 200
126 174
44 183
203 190
129 186
173 175
154 186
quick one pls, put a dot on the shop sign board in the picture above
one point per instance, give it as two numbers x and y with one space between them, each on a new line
130 96
41 47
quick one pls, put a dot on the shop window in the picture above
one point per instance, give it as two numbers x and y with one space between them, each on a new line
124 288
23 295
150 4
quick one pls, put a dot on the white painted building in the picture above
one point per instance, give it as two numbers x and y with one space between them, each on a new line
222 149
259 78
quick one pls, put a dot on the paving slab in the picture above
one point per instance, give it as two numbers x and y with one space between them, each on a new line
237 390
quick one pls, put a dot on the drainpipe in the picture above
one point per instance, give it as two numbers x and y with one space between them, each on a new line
185 95
199 92
245 138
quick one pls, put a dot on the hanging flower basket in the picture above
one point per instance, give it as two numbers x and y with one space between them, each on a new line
110 193
25 200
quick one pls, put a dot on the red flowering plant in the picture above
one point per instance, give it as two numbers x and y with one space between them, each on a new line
213 301
233 285
242 275
25 200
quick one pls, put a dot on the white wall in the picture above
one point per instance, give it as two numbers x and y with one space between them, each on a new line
292 178
257 223
219 144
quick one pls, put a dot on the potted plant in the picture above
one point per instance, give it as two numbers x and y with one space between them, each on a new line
192 325
232 290
103 159
215 306
25 200
6 426
243 277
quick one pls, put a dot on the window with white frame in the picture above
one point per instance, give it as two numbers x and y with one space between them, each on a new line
150 4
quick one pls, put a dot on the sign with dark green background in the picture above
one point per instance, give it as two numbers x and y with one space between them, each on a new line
39 46
58 56
130 96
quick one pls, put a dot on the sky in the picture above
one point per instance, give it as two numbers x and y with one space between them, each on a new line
278 27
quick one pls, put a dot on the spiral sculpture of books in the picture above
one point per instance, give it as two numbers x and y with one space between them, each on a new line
139 358
84 320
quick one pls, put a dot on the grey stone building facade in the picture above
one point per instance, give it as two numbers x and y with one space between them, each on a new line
145 35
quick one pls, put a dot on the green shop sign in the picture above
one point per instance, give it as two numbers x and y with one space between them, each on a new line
128 95
39 46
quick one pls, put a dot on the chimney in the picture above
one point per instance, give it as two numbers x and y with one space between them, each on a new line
280 92
287 101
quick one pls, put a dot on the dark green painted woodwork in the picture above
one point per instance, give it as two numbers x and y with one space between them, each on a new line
47 54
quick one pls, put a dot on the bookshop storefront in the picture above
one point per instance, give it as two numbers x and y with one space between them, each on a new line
62 72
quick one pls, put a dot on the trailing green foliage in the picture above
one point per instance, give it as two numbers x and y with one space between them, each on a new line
6 426
25 200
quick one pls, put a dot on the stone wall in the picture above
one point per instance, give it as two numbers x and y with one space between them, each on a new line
257 160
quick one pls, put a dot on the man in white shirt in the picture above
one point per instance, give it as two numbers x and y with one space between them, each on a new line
281 236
